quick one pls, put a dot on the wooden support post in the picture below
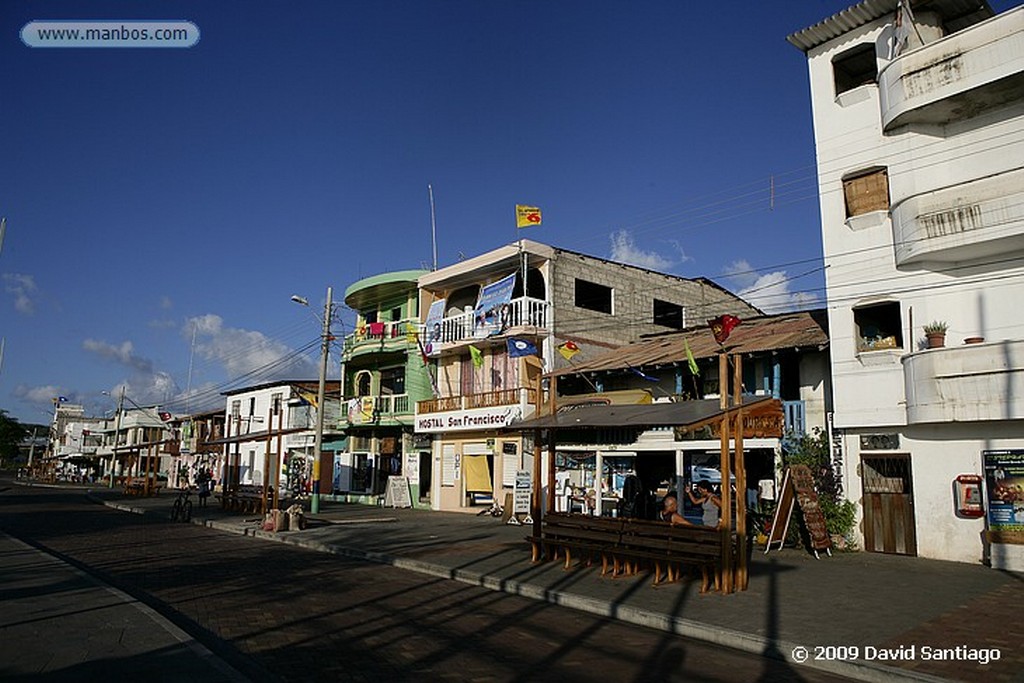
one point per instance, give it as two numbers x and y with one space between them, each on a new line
265 503
549 505
726 493
741 477
535 503
278 458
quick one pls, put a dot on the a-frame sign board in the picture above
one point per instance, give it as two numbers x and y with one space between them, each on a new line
798 489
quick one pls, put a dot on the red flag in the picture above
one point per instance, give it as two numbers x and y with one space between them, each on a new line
722 326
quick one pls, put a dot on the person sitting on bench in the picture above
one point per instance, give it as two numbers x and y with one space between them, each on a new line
670 512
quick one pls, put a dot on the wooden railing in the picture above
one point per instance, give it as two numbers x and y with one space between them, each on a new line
487 399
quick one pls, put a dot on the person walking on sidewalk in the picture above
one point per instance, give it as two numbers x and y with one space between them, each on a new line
204 487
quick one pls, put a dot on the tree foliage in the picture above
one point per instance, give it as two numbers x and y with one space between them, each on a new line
12 433
815 451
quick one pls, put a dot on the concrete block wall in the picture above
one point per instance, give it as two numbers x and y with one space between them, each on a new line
634 292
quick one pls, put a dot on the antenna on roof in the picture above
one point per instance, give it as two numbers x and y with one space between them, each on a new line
433 225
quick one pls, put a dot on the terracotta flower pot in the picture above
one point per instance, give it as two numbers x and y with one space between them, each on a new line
974 340
936 340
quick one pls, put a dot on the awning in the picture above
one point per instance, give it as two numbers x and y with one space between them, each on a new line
689 414
256 436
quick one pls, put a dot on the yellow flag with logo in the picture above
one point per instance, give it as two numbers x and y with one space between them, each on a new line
527 216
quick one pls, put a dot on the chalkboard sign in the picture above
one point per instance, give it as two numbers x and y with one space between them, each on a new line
807 499
397 494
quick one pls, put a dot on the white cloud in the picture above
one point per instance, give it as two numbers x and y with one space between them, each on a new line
123 354
624 250
166 303
243 351
768 291
42 396
22 287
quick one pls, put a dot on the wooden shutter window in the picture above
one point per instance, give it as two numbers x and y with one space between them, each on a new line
867 192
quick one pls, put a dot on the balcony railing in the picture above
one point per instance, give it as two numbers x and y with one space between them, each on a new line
383 334
956 76
487 399
968 383
374 409
524 312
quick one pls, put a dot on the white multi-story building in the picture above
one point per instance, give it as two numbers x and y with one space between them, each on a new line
919 130
265 420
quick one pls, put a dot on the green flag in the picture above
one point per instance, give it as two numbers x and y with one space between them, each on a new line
690 360
478 358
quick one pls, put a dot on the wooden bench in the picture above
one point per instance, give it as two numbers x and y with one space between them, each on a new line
138 488
246 498
625 546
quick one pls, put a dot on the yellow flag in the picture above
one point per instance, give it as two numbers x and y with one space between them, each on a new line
527 216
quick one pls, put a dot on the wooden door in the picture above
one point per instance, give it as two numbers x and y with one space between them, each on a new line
888 504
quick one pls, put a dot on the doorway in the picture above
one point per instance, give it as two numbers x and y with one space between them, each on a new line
888 504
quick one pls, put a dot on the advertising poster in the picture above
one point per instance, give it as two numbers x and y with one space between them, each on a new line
491 313
432 327
1004 488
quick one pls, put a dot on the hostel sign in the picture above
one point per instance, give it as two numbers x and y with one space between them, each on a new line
467 420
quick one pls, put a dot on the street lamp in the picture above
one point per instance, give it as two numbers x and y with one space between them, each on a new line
325 338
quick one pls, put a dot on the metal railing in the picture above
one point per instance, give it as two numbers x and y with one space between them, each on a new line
521 312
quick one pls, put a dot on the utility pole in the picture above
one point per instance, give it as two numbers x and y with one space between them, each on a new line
117 432
318 443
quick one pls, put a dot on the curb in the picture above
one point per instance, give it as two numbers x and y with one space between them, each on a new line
735 640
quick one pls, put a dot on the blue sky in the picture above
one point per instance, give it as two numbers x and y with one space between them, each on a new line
153 193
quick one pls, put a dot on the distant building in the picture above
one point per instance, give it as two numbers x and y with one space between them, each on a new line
919 130
269 435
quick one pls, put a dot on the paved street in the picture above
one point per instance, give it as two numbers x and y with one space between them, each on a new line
281 612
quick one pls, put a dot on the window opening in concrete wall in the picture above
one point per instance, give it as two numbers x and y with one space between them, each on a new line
854 68
392 380
593 297
668 314
866 191
878 326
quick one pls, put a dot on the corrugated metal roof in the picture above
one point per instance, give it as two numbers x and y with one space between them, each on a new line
957 14
681 414
801 330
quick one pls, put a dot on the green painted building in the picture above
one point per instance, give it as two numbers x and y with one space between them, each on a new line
384 375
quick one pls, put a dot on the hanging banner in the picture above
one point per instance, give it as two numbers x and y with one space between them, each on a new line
433 327
491 314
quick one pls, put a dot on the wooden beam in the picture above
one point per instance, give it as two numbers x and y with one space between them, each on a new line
726 493
741 477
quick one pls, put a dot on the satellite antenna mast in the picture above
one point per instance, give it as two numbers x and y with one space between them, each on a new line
433 225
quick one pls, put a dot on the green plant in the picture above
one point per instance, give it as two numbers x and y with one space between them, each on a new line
936 327
814 450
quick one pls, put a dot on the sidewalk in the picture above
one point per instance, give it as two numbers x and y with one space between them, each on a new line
895 612
92 631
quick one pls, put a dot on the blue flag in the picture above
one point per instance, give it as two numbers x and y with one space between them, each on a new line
641 375
521 347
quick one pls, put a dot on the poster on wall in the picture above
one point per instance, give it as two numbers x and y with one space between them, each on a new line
411 466
1004 489
491 314
432 327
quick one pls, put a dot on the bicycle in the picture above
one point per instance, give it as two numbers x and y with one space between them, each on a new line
181 510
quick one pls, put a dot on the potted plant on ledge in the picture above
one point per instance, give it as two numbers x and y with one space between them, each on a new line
935 333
